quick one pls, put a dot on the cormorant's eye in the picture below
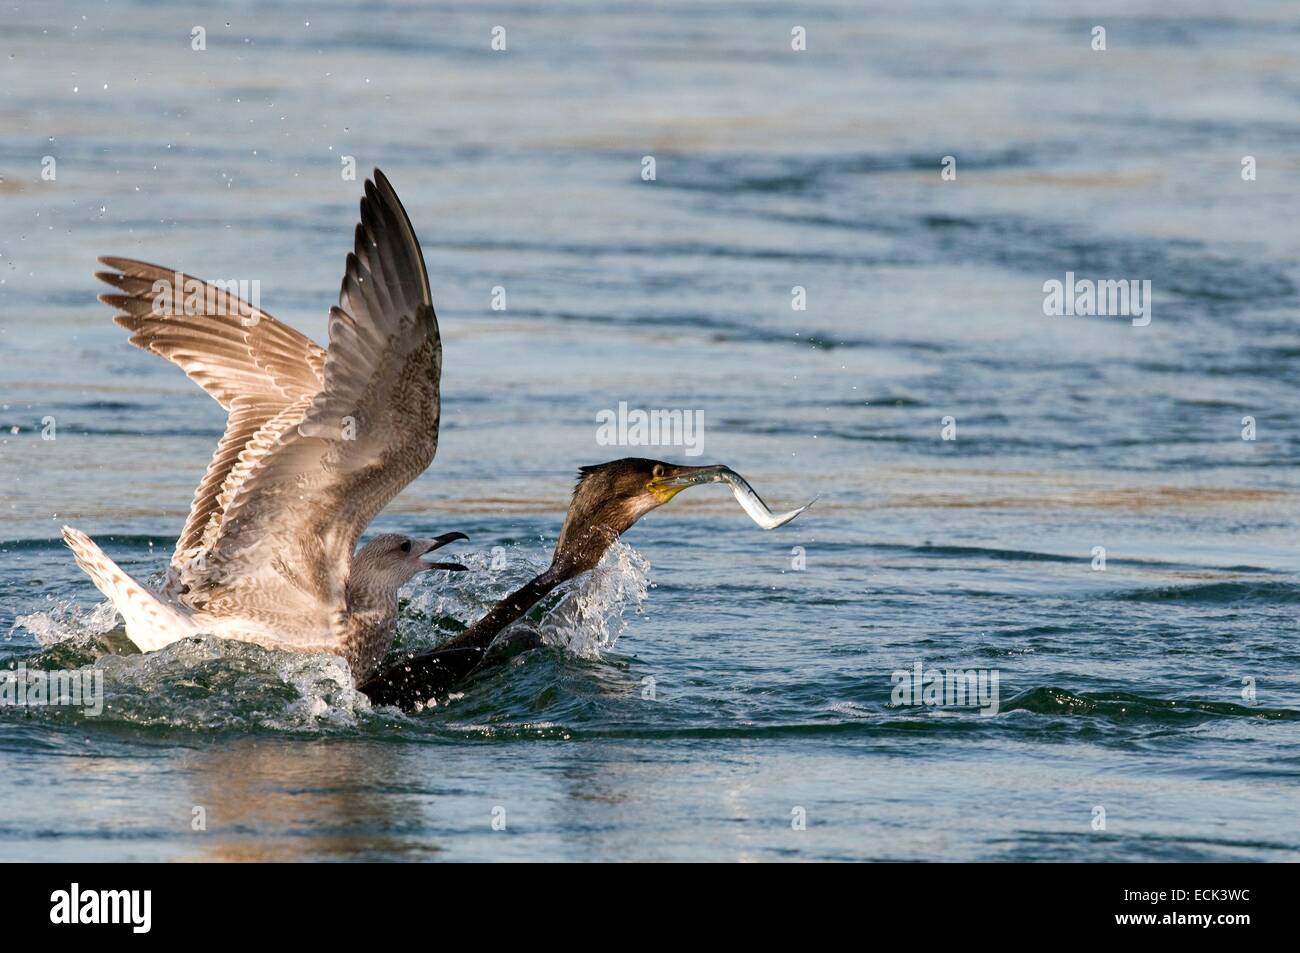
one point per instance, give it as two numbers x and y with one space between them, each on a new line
658 471
406 546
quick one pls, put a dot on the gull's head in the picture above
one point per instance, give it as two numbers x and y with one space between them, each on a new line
391 560
611 497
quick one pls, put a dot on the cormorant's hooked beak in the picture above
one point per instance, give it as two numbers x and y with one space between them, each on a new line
437 543
669 485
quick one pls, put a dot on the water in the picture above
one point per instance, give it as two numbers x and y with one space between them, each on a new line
1119 689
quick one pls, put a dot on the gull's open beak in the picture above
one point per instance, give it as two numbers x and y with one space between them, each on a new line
437 543
666 487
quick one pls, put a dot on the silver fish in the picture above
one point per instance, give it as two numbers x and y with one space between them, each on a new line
749 500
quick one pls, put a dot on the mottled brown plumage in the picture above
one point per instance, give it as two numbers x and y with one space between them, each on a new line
316 444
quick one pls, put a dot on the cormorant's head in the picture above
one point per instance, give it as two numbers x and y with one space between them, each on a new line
610 497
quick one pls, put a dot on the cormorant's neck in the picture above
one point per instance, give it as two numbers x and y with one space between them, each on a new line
511 608
415 680
582 545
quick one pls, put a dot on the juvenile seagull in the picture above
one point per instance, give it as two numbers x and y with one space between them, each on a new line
317 443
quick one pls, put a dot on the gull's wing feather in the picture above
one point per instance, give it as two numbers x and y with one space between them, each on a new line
226 346
284 546
251 364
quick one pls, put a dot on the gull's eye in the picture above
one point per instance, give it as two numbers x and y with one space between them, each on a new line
658 471
406 546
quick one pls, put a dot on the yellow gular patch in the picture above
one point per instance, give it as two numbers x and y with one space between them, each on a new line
664 493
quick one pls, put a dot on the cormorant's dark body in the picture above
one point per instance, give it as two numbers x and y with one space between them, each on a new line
421 678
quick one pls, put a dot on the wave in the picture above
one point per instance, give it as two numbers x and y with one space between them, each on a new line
212 684
1217 593
800 174
525 704
1126 706
163 544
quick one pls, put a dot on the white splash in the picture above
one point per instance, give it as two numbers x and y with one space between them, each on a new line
218 684
67 621
590 616
464 596
587 620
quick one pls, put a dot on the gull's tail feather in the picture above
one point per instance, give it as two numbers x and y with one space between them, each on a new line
150 623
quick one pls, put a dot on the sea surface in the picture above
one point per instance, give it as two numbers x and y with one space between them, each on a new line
714 691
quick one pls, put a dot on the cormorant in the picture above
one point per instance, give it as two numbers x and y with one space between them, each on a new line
608 499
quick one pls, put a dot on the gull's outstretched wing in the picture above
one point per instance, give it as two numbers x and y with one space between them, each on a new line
284 546
256 368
